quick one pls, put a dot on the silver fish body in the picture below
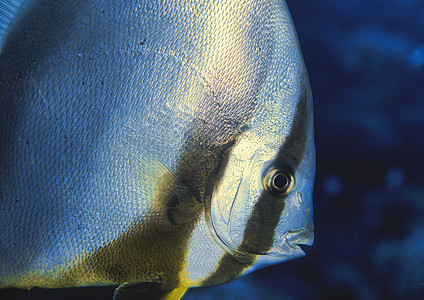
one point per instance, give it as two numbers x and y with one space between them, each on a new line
160 144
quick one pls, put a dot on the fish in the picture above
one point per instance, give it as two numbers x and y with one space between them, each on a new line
151 145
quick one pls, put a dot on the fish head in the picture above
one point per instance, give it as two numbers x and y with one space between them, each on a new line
260 210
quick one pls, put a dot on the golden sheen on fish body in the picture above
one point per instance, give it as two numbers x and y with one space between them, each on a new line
151 145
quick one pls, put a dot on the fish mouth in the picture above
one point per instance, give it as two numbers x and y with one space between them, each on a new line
304 236
288 247
291 243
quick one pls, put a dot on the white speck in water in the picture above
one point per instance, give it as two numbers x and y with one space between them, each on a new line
395 177
417 56
333 185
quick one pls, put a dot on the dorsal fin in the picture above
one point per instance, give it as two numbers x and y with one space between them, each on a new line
9 11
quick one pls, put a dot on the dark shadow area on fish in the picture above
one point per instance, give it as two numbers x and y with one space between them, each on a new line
136 291
81 293
30 40
25 46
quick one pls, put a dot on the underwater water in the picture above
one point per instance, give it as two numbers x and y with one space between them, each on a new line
366 66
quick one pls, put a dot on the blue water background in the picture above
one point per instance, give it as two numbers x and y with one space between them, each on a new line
366 65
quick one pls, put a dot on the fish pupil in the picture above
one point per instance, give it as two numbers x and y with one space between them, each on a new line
280 182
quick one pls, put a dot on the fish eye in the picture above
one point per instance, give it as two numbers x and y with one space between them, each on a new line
278 180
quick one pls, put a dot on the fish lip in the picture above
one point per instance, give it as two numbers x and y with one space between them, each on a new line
304 236
290 245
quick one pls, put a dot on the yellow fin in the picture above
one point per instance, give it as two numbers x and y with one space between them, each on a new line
176 294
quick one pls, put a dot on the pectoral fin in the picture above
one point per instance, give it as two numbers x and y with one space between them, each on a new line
183 210
165 191
148 291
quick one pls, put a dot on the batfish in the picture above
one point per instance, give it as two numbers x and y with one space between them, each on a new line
151 145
